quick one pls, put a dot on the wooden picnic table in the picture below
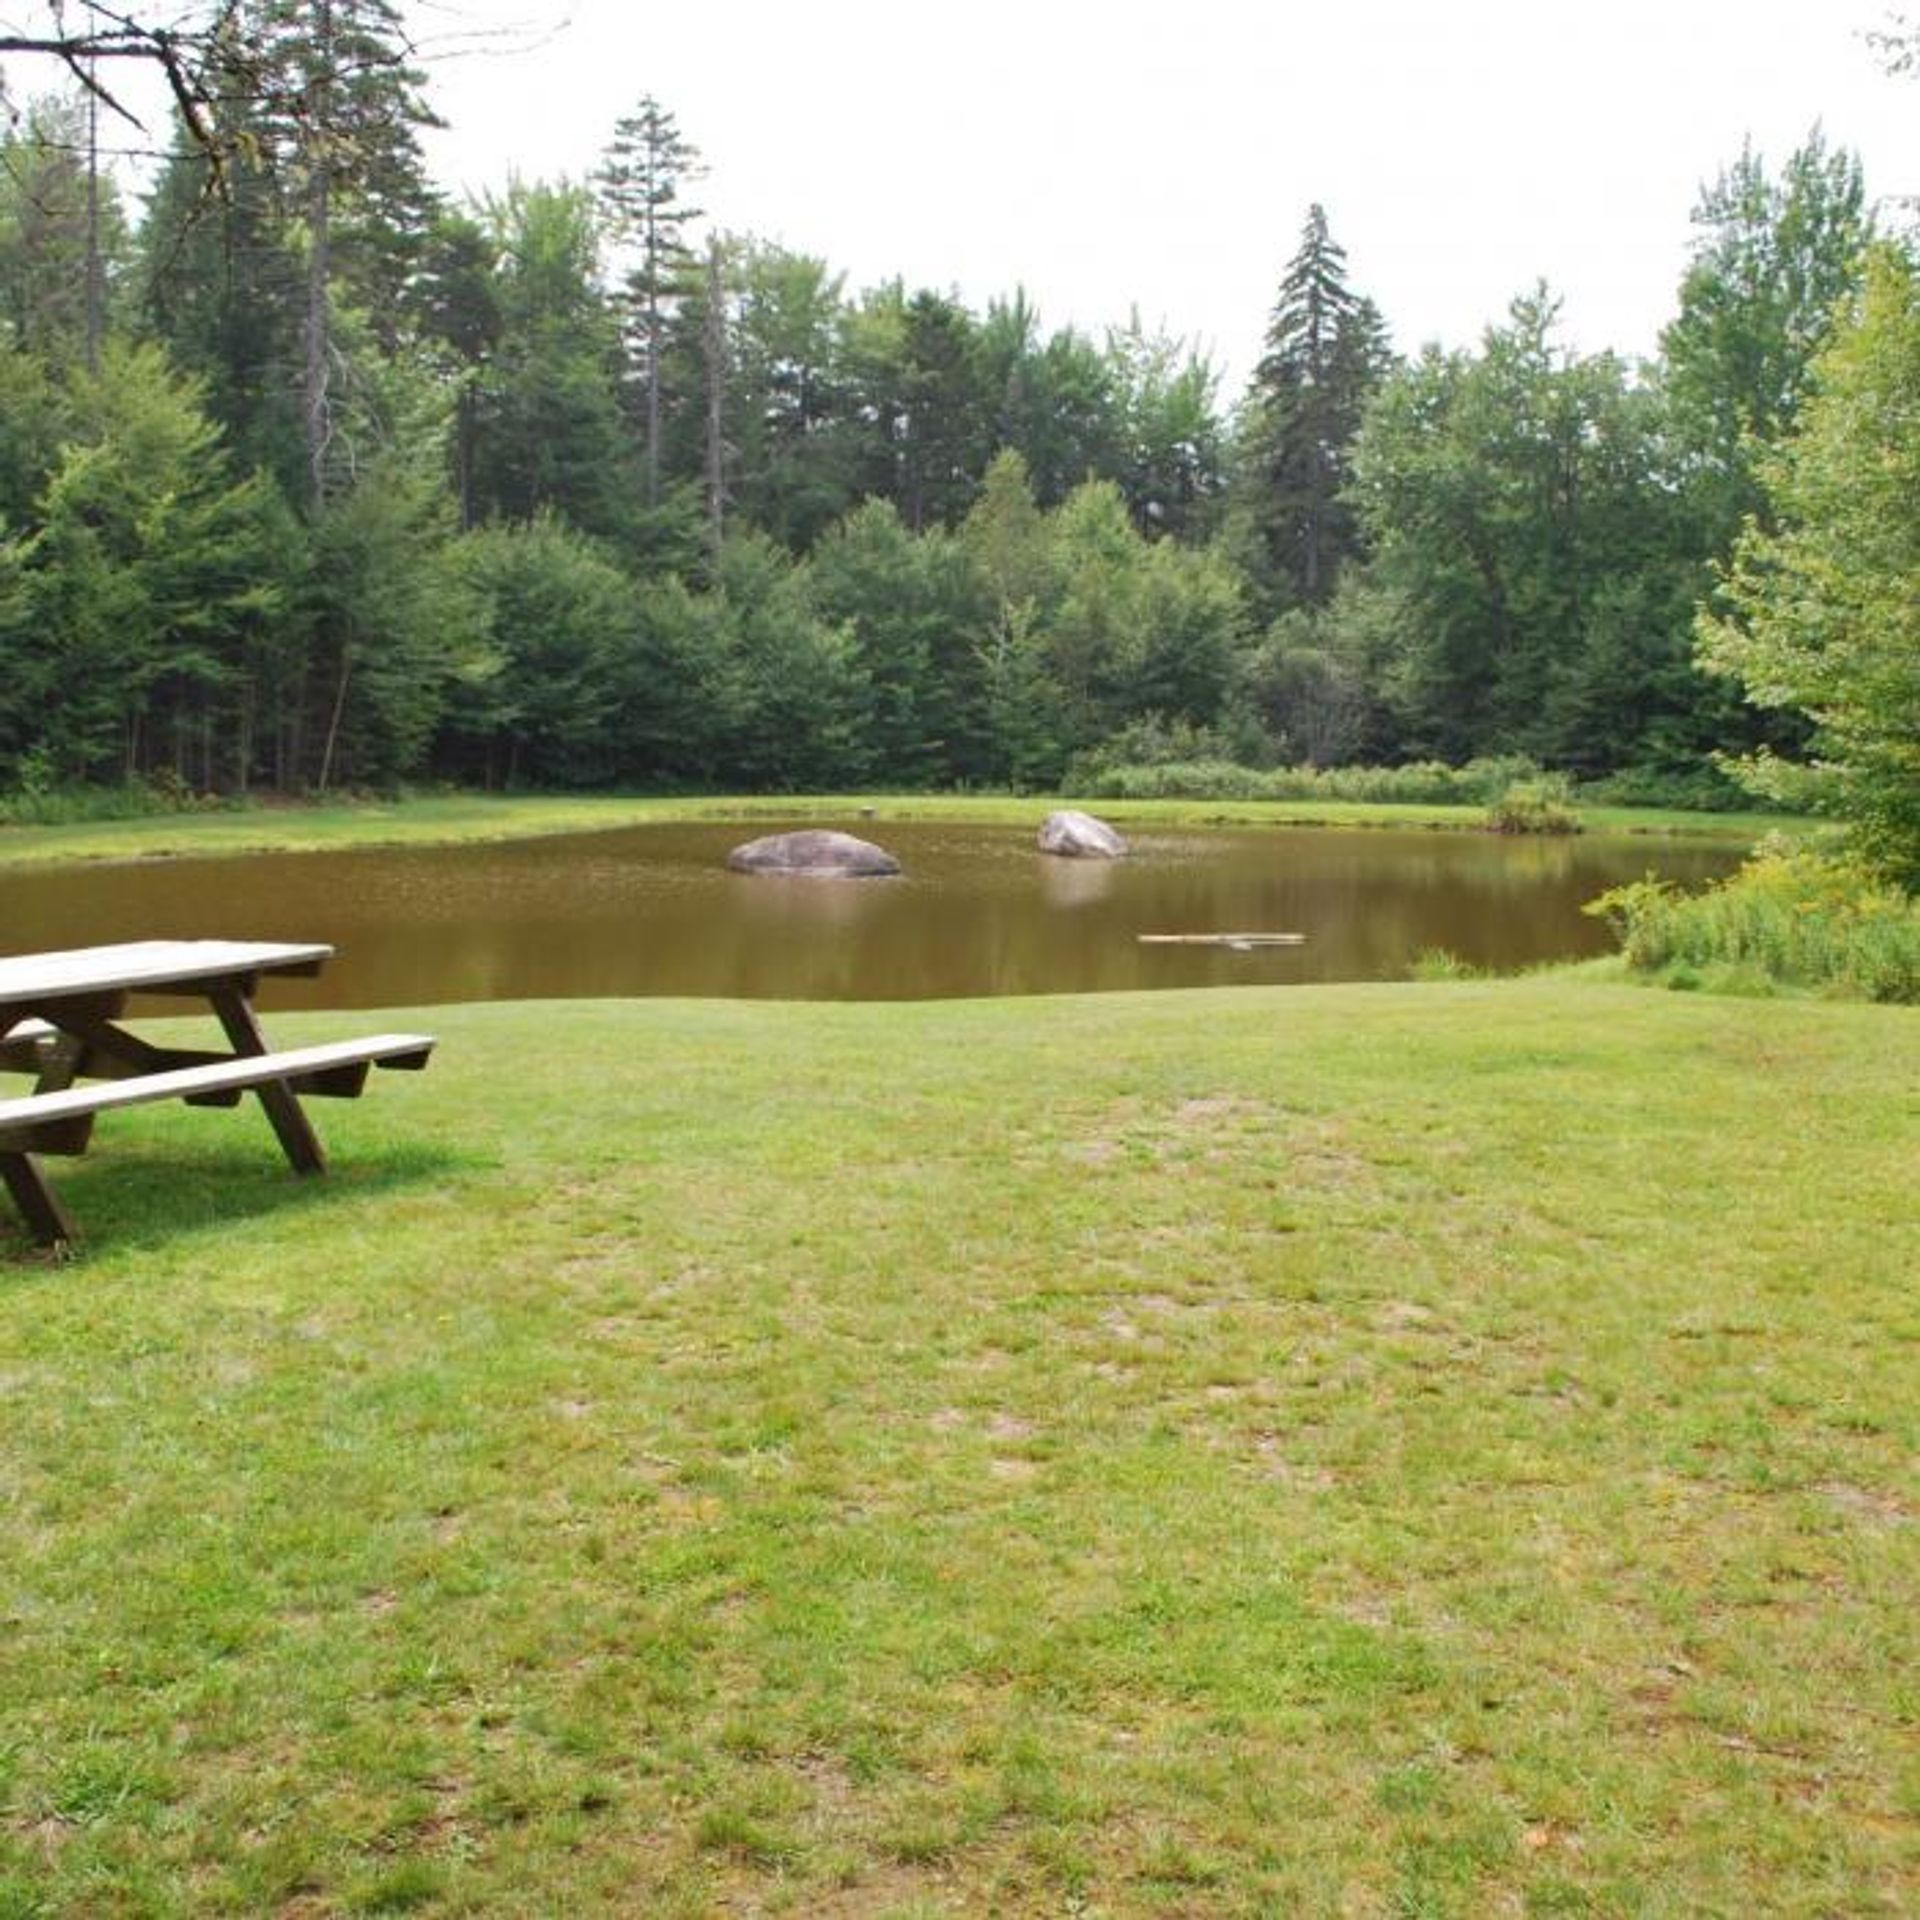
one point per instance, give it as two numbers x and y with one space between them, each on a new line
61 1021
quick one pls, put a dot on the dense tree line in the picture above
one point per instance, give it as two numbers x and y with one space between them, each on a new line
309 478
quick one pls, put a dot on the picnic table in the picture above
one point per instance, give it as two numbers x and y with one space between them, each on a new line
61 1022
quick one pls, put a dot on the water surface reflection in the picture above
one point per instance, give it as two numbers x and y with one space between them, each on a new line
653 910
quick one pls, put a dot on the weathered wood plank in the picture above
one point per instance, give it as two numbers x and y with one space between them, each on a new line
1223 939
155 966
318 1069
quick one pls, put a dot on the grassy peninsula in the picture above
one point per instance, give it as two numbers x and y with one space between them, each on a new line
1435 1450
450 819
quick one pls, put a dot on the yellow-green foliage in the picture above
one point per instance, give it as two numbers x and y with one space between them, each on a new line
1789 918
1534 806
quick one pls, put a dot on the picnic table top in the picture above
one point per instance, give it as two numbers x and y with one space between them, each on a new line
132 964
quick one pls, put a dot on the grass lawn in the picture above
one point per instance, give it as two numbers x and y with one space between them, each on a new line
1399 1450
452 818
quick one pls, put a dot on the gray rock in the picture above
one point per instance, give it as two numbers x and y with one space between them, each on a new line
814 850
1079 836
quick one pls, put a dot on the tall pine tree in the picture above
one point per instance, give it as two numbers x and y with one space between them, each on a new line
1326 352
640 184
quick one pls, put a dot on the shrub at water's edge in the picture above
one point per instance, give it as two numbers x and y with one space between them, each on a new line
1541 805
1789 918
1422 783
40 802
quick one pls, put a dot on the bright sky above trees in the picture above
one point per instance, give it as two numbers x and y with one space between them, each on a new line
1106 153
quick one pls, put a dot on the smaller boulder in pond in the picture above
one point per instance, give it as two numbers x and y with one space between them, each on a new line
814 850
1079 836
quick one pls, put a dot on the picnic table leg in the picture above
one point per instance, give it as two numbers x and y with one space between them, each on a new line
290 1123
59 1065
47 1220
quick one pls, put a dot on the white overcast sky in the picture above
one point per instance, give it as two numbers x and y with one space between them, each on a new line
1108 154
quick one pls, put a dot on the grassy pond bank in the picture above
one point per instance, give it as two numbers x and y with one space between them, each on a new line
1439 1449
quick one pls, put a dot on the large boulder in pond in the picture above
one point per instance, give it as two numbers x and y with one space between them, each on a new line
1079 836
814 850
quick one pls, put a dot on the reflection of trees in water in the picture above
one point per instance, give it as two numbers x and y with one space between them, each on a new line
654 911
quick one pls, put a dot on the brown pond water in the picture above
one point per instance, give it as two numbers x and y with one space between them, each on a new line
978 911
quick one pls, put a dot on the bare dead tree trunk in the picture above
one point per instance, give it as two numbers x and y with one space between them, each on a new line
318 341
653 360
243 741
334 719
715 344
96 280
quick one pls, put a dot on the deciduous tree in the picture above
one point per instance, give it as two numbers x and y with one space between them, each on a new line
1818 612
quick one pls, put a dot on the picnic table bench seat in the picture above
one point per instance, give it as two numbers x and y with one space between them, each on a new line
62 1122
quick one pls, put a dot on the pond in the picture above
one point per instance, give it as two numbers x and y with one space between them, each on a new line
978 911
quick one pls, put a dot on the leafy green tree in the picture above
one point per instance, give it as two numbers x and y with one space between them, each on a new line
1053 399
456 305
392 627
1510 495
682 694
556 621
913 606
127 595
1818 611
1192 618
1304 696
793 688
1008 542
289 226
1326 352
548 434
792 436
1172 464
1772 258
919 387
37 410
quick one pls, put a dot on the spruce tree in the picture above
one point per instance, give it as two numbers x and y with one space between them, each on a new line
1326 352
640 183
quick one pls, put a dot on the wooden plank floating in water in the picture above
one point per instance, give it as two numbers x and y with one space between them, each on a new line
1238 941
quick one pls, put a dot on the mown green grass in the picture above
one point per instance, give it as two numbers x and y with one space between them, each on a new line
453 818
1402 1450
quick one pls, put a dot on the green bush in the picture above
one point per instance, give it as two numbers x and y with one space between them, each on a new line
1540 805
1698 789
36 803
1788 918
1422 783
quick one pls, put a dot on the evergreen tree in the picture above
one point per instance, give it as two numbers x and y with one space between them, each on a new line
341 110
456 307
130 593
1054 399
221 287
63 236
792 439
306 201
1326 352
647 166
548 432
